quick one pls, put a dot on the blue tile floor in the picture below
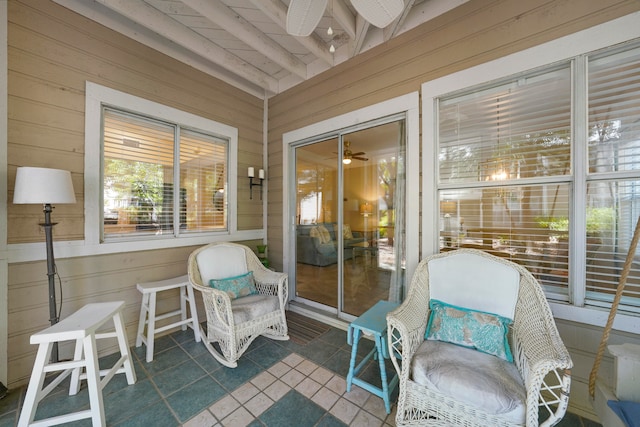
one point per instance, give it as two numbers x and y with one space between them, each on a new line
276 383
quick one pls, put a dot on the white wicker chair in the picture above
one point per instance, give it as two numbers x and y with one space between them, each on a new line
226 319
539 354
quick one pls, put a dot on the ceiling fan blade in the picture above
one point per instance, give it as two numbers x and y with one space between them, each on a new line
303 16
379 12
358 154
364 159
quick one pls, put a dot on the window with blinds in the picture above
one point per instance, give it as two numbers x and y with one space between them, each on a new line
511 181
504 172
613 191
161 179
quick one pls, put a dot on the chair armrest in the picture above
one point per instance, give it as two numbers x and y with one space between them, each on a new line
217 305
542 359
269 282
405 329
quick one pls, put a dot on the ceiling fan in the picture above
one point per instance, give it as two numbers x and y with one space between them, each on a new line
303 16
348 155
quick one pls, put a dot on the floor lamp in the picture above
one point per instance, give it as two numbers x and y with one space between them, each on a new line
45 186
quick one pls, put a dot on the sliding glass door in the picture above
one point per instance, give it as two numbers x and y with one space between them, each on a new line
350 194
316 212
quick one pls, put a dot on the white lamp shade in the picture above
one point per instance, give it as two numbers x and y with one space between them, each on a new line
42 186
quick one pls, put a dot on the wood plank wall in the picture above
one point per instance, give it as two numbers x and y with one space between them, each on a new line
52 52
474 33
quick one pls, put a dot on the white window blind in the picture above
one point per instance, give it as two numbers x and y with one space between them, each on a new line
203 175
519 129
504 172
506 180
613 192
144 194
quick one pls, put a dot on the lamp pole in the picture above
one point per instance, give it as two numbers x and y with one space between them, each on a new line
45 186
51 273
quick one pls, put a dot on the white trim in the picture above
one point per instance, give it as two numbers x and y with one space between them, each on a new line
608 34
408 104
265 166
595 317
96 97
27 252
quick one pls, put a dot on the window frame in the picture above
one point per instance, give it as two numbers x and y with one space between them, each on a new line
98 96
567 48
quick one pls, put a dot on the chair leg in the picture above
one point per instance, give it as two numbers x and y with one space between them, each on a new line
151 326
219 357
144 312
183 306
94 386
75 375
34 390
121 334
194 312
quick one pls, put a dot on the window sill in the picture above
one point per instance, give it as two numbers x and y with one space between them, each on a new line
595 317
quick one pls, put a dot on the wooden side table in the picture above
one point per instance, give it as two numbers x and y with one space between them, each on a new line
372 322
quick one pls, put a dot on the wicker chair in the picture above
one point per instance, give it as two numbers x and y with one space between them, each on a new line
542 361
233 324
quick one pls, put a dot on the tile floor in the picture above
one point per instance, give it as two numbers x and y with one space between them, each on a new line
276 383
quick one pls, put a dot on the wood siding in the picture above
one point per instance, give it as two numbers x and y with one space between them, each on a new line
474 33
52 52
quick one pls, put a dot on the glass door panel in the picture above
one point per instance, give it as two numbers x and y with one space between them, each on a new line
373 187
316 214
349 213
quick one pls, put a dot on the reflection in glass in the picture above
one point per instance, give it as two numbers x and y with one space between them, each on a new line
526 224
349 219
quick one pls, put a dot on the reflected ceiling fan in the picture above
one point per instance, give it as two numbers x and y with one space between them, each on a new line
303 16
348 155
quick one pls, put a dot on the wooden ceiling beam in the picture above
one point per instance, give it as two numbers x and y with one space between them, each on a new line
147 16
234 24
277 12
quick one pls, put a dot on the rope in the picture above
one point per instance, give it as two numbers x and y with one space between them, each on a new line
614 308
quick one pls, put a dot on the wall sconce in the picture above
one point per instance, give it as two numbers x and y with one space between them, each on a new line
251 174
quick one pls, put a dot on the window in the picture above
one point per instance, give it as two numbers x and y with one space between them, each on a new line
140 169
158 173
613 180
504 172
543 167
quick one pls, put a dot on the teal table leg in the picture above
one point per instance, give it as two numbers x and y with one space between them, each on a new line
383 374
354 351
372 322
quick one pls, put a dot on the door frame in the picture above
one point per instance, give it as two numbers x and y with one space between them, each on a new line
407 104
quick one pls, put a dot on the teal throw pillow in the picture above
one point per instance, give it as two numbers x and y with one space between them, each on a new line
236 287
484 332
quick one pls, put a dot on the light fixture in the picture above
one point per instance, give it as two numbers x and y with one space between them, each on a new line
332 48
45 186
251 174
366 209
346 160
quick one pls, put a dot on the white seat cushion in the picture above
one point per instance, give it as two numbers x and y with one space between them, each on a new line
253 306
221 262
478 379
